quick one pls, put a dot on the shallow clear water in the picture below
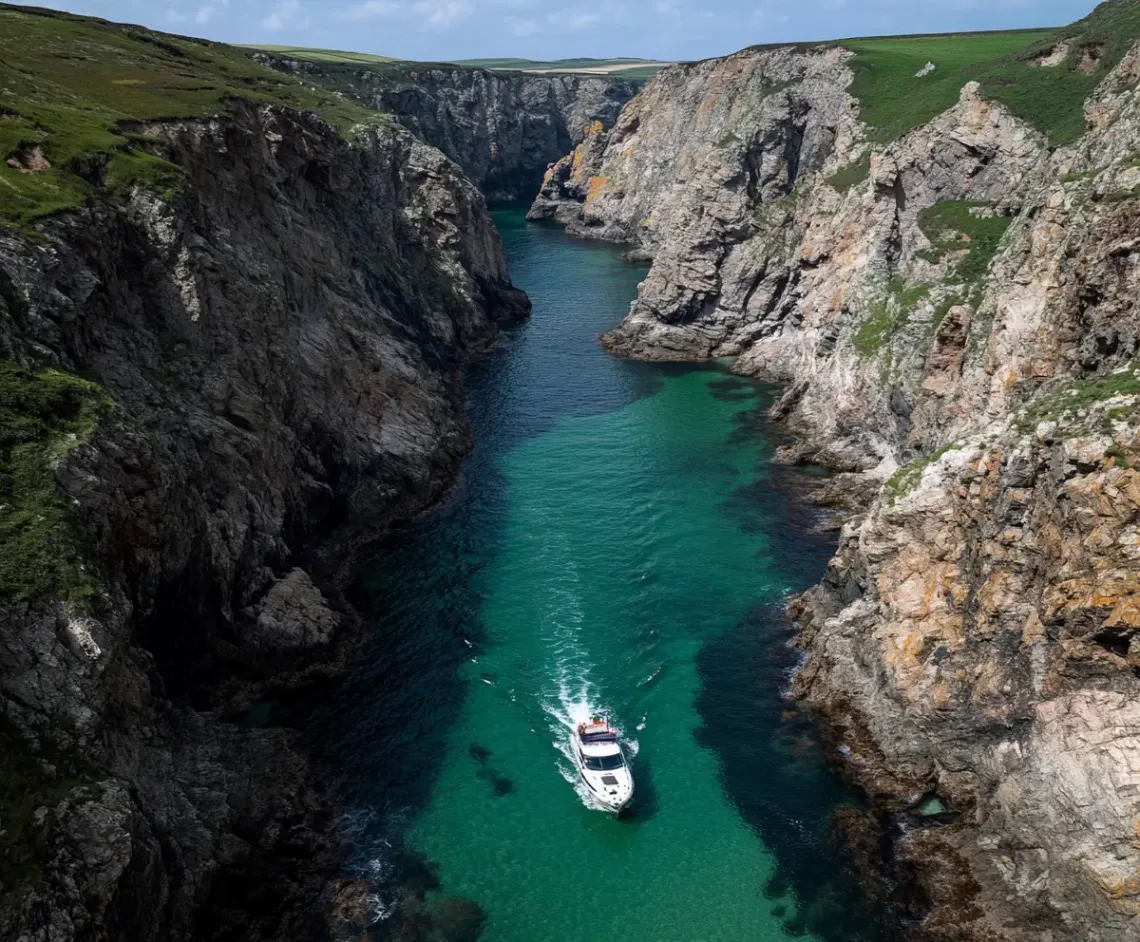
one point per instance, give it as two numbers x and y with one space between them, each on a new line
620 542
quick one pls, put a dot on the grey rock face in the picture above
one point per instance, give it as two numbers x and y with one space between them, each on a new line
976 635
282 343
503 128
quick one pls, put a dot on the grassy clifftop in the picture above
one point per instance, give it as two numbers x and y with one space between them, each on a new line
634 70
1042 76
71 87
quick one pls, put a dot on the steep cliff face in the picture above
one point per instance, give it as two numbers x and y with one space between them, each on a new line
953 315
727 175
981 621
503 128
269 355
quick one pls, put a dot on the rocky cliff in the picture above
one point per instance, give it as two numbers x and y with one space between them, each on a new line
198 384
952 312
503 128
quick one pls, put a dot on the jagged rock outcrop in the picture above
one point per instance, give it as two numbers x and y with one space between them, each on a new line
980 622
279 344
717 172
503 128
968 296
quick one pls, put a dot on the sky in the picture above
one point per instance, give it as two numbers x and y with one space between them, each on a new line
553 29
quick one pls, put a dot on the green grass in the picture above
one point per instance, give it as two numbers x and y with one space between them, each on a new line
72 85
1052 99
951 227
851 175
42 547
641 74
893 101
639 70
561 65
324 55
884 318
907 478
1065 405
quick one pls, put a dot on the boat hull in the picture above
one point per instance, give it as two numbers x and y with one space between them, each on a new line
614 797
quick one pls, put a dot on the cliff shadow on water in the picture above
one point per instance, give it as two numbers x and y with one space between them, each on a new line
831 849
618 539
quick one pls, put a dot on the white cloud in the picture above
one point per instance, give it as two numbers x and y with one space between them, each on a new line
520 27
442 13
578 19
760 15
371 8
436 14
288 14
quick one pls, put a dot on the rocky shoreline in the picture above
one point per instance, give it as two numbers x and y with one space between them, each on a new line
951 314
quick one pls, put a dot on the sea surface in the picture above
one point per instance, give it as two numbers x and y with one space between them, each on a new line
620 543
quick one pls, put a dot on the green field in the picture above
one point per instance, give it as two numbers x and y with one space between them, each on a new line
894 100
73 85
566 65
637 70
324 55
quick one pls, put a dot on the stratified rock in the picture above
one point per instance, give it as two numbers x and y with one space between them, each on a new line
976 634
504 128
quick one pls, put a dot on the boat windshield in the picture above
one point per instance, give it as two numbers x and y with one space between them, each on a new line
603 763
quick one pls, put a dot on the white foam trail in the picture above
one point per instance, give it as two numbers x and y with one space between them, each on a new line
572 697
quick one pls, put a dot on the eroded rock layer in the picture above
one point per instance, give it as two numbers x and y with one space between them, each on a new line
503 128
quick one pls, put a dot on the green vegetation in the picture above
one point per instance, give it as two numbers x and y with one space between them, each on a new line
951 226
1121 196
640 74
647 67
906 478
79 85
42 547
1006 65
893 100
851 175
1052 98
27 783
324 55
633 70
1066 404
887 316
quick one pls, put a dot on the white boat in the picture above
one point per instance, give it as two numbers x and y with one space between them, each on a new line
597 753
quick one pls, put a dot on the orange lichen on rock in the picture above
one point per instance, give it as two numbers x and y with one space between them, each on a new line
595 188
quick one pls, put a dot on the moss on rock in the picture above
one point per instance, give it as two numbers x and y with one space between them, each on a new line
43 549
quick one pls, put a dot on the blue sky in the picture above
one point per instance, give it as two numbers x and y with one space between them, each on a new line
548 29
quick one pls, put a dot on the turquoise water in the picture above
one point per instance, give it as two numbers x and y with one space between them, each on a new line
620 542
